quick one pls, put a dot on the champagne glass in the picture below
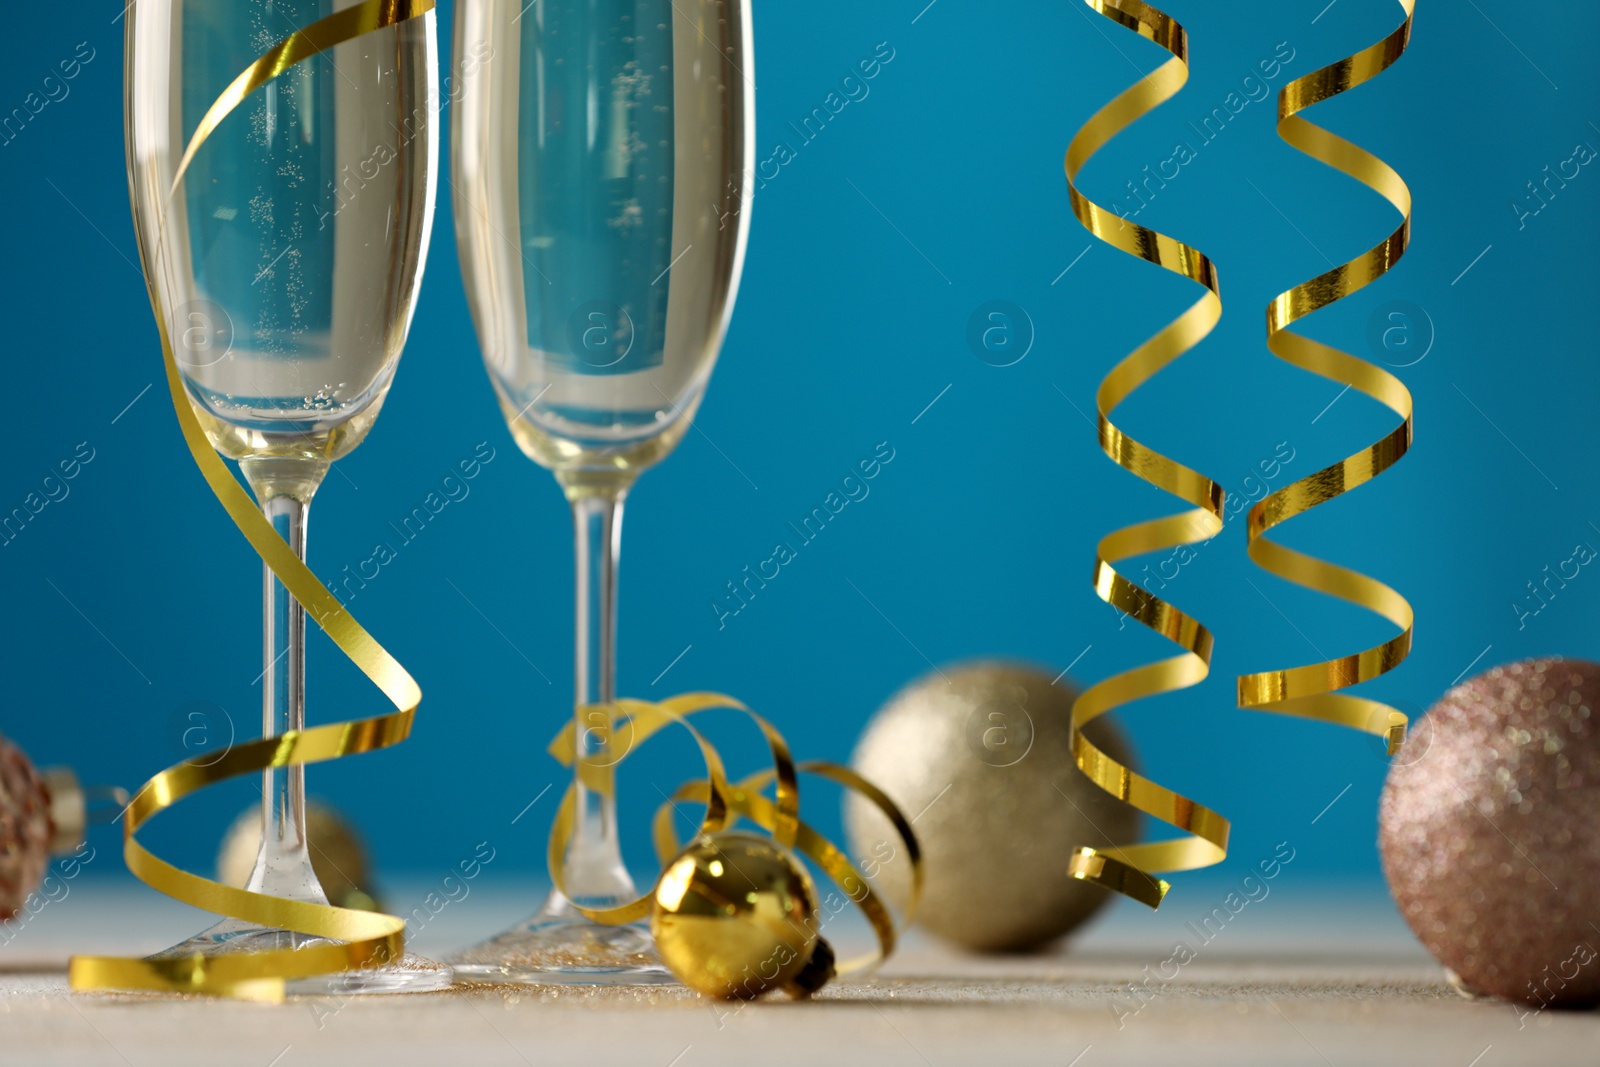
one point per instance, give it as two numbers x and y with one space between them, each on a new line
285 264
600 156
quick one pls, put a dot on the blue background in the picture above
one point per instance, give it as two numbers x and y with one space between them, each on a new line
940 191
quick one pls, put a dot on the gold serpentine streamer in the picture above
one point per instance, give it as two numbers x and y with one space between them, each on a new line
1311 690
369 938
1127 868
635 721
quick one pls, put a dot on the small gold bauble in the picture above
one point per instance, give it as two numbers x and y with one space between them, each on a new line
981 756
735 915
337 855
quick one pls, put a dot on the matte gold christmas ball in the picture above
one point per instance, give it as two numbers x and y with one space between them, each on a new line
735 915
1488 832
980 756
337 855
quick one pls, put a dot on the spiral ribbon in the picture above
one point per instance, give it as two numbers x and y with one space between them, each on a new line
1311 690
624 725
364 939
1127 868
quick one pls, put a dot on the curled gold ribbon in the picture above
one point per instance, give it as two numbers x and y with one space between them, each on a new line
323 34
1127 868
369 938
628 723
1311 690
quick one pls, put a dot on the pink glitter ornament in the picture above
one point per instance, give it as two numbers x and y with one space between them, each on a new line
1488 832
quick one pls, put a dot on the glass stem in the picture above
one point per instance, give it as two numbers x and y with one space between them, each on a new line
595 872
283 867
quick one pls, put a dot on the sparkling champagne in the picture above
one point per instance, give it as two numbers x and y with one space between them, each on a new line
285 264
600 148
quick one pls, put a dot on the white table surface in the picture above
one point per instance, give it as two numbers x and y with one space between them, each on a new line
1324 976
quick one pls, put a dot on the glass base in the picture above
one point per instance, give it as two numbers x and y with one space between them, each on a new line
412 974
560 947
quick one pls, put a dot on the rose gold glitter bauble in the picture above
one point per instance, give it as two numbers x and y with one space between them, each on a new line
1490 832
25 828
980 755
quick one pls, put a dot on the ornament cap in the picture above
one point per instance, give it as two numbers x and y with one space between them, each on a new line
69 809
818 971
